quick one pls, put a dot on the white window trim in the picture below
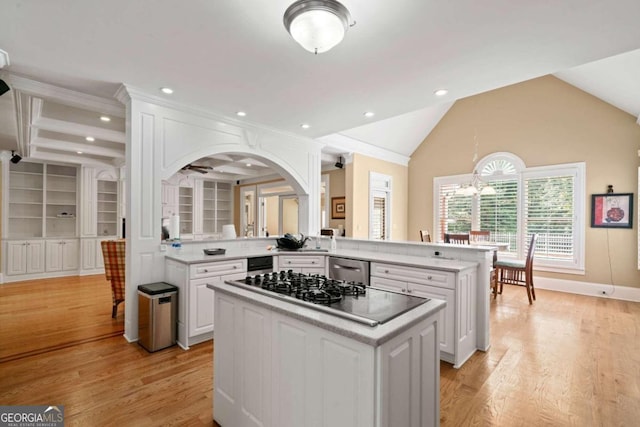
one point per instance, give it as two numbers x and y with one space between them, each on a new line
578 170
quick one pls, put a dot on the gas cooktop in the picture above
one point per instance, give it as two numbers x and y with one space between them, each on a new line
349 300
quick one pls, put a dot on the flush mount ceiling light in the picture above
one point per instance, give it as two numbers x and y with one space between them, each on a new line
105 118
317 25
369 114
90 139
166 90
441 92
241 114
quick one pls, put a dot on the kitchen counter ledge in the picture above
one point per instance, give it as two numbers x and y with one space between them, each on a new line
373 336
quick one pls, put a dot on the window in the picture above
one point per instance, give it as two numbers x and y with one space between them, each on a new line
379 206
545 200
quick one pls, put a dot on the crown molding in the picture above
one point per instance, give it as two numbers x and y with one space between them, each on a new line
352 145
65 96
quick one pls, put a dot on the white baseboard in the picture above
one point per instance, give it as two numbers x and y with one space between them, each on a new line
601 290
1 278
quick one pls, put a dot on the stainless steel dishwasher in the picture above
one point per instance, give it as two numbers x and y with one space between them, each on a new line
351 270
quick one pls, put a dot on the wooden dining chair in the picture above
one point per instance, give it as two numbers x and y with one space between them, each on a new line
480 236
425 236
517 272
113 252
456 238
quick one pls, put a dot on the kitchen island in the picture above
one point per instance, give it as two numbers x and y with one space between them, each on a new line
282 364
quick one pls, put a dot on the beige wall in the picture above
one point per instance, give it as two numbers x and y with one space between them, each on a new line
544 121
336 189
357 196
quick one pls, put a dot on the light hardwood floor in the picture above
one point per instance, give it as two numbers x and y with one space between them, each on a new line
567 360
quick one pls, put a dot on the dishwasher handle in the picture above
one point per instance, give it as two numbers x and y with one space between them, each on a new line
346 267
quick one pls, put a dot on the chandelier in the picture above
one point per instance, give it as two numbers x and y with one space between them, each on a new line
317 25
476 186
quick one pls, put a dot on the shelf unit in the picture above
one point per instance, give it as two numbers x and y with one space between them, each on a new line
42 200
185 207
61 200
107 208
216 205
224 204
26 192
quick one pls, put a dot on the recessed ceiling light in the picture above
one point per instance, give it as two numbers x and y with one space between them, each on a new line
241 114
369 114
166 90
441 92
105 118
305 126
248 165
90 138
79 152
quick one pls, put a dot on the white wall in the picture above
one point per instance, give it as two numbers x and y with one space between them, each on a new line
161 138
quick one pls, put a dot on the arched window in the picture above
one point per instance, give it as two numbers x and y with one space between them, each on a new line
512 201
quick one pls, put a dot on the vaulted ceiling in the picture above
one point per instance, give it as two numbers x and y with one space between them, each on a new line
228 56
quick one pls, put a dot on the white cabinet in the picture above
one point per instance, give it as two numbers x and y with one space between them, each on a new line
25 257
195 300
91 251
275 370
61 255
307 264
201 297
456 323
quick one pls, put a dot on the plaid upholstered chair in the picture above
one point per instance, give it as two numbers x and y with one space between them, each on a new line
113 252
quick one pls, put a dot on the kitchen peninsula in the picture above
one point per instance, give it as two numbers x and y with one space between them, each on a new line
458 275
282 364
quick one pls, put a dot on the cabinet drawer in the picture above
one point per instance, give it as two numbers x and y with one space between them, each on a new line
423 276
292 261
218 268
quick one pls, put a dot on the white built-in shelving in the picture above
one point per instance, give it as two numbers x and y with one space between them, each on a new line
216 205
42 200
107 208
185 206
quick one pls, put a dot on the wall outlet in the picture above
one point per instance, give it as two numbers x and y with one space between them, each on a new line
437 253
163 248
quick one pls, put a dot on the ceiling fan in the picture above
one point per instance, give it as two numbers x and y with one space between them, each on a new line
203 169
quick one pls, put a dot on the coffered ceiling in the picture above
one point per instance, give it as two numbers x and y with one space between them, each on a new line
226 56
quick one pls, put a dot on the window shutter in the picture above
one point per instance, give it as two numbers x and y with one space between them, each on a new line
454 211
499 213
549 211
378 218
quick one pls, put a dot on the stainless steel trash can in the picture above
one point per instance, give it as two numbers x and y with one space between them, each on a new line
157 304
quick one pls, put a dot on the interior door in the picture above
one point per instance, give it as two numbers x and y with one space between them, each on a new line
248 211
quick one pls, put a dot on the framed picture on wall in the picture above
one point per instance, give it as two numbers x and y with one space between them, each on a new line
337 208
612 210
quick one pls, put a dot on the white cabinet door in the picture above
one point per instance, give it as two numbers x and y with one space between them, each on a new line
53 255
61 255
388 284
89 255
16 258
35 256
99 257
446 321
70 255
201 301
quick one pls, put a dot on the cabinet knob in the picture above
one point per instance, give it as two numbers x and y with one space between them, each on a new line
206 271
404 290
313 262
288 262
235 266
429 277
409 290
386 271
